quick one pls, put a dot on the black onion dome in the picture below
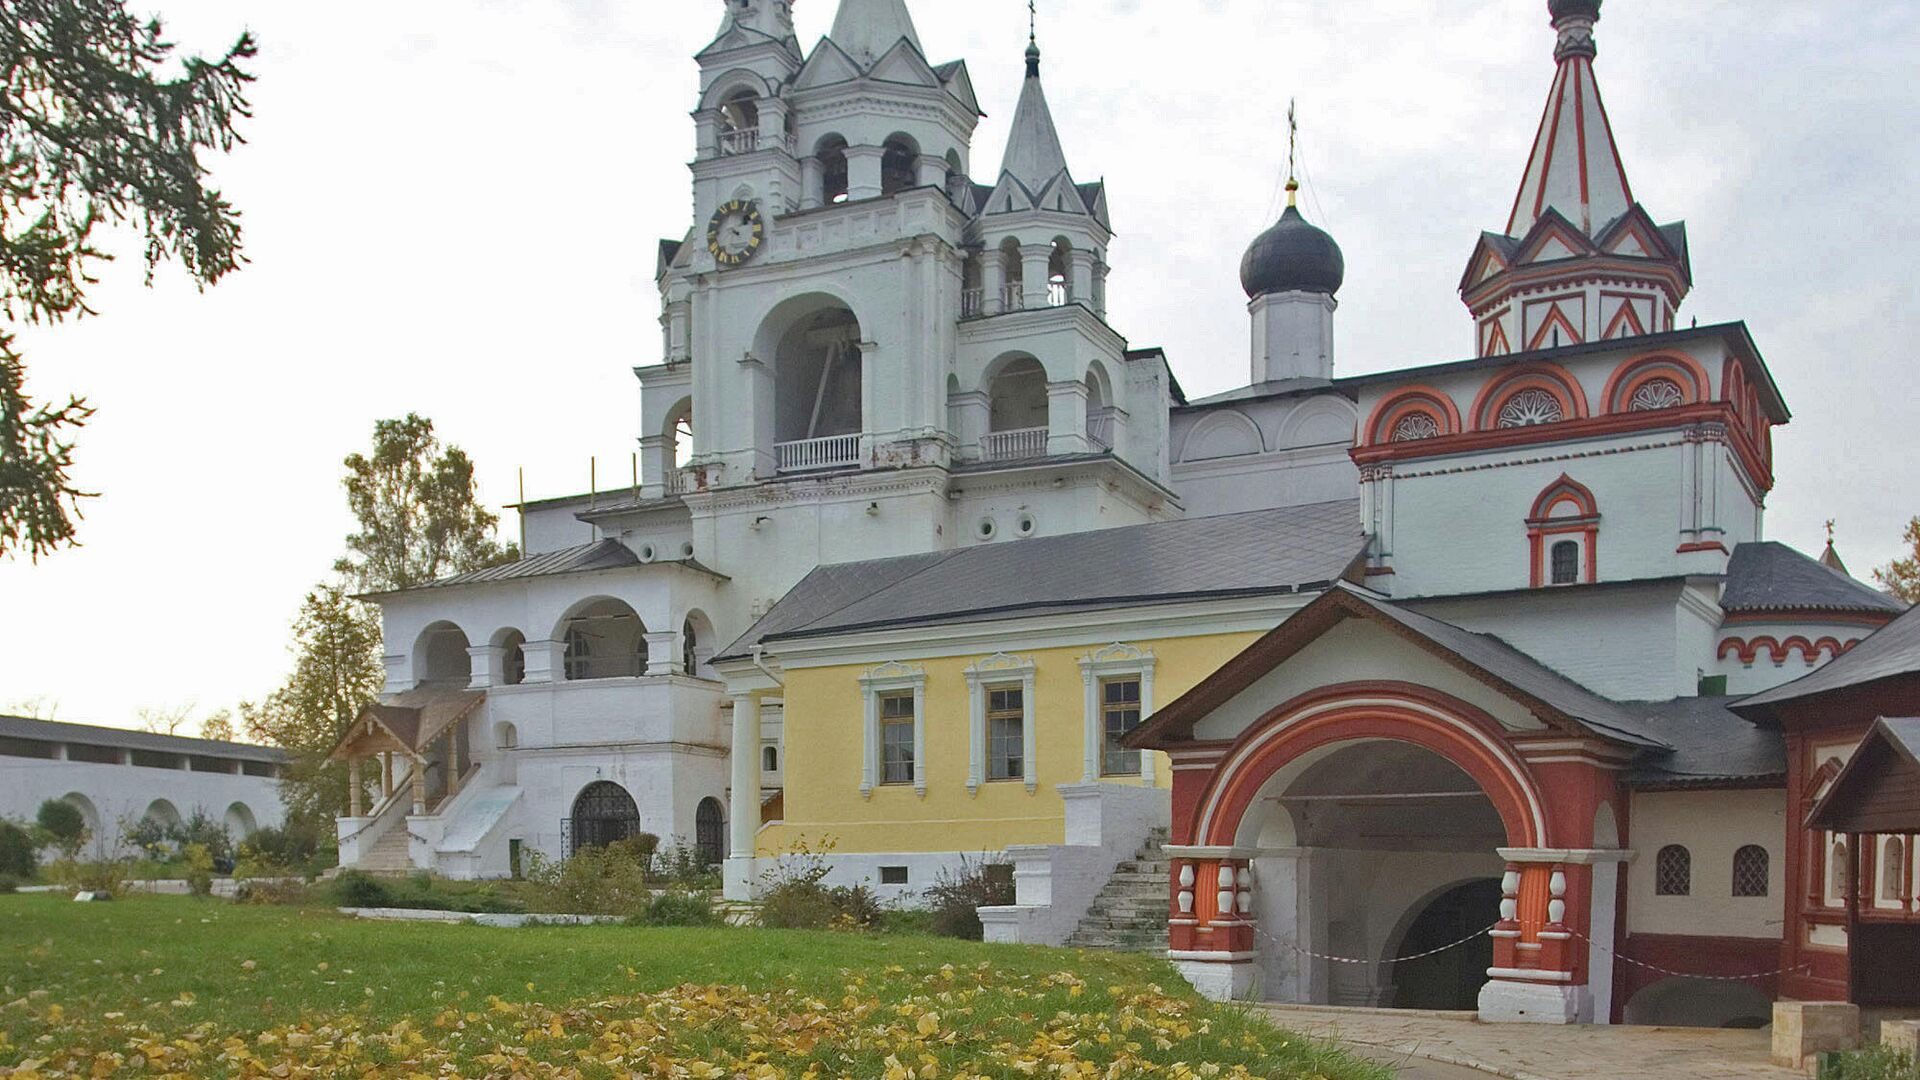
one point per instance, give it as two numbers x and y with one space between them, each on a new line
1561 9
1293 256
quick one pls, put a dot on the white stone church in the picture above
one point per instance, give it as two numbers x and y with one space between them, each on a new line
875 345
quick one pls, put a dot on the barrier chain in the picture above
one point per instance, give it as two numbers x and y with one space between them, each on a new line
1396 960
1609 950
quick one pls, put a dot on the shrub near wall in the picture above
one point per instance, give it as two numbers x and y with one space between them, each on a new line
1878 1063
17 853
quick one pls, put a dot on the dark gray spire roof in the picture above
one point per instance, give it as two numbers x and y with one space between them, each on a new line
1293 256
1770 576
1561 9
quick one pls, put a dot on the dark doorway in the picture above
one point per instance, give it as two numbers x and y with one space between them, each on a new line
1450 980
603 814
710 831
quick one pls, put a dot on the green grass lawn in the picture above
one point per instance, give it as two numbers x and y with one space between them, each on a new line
171 986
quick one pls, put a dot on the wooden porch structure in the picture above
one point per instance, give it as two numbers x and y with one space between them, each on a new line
1876 796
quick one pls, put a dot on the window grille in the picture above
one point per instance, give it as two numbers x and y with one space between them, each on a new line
710 831
603 814
896 739
1657 394
1006 733
1566 563
1119 714
1529 408
1751 867
1415 427
1673 872
1893 874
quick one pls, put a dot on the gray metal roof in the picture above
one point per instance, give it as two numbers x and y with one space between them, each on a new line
52 731
1522 672
1891 651
599 555
1712 745
1904 733
1770 576
1301 548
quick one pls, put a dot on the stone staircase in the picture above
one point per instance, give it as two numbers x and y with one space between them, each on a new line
1130 913
389 855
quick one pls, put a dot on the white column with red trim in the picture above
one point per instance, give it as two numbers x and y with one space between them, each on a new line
1211 929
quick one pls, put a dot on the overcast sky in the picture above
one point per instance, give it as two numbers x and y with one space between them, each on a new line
452 207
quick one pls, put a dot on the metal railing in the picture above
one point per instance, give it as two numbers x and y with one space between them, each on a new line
829 452
1014 445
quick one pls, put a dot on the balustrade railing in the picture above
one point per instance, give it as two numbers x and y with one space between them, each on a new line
1014 445
1013 298
973 303
1100 431
739 141
1058 295
829 452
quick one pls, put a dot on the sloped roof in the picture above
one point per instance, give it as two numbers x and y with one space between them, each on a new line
54 731
416 717
1034 155
1889 652
1299 548
867 29
1887 763
1575 165
1770 576
599 555
1543 690
1712 746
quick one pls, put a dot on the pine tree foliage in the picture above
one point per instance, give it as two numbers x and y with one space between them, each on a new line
99 129
1902 576
337 671
419 512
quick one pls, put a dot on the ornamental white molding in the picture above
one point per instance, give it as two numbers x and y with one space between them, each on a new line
892 677
1116 660
1000 669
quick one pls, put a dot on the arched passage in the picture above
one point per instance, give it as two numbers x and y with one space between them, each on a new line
604 639
818 377
89 813
603 813
163 813
1371 820
440 656
512 646
240 822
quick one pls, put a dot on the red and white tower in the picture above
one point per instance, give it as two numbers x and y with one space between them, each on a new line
1580 260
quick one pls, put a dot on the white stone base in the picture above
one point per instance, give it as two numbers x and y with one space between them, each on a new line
740 878
1504 1002
1218 981
1007 925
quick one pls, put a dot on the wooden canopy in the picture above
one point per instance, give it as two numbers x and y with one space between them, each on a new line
1879 790
405 723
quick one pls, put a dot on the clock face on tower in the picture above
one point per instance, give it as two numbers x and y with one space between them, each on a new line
735 233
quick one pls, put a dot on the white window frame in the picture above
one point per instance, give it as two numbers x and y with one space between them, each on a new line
1118 660
892 678
997 670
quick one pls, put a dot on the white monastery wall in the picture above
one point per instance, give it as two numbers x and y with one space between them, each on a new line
1712 826
1272 452
109 795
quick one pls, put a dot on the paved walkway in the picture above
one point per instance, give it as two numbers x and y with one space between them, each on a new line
1536 1052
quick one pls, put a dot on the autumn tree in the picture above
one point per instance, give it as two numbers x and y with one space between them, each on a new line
1902 576
219 727
100 129
419 512
336 673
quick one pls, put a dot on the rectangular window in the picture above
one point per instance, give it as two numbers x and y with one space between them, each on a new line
1566 563
893 875
1006 733
896 739
1119 715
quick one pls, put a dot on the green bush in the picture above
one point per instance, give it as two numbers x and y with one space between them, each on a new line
62 826
199 869
1878 1063
267 891
957 897
360 890
684 867
297 849
18 853
794 896
9 884
609 880
683 909
95 875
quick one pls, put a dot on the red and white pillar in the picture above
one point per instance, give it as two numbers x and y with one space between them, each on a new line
1211 929
1541 945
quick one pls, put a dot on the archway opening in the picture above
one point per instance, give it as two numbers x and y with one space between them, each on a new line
818 378
240 822
710 831
604 639
440 656
1374 850
603 814
1449 980
1017 411
899 164
513 656
832 155
739 123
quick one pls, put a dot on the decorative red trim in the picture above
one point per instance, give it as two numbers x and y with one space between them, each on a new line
1283 734
1598 267
1580 136
1748 649
1536 375
1759 474
1497 344
1553 135
1379 571
1709 545
1419 398
1636 371
1540 133
1625 313
1556 316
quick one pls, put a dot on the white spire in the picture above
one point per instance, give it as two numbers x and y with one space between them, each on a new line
1575 167
867 29
1034 156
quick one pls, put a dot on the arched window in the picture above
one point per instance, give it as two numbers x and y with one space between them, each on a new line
605 640
513 657
689 647
1673 872
832 153
1060 274
770 759
1893 871
899 165
1529 408
1838 873
1013 276
1414 427
1566 562
709 831
739 127
1657 394
602 814
1751 871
